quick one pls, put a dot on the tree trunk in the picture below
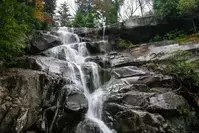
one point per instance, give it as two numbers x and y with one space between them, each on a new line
141 7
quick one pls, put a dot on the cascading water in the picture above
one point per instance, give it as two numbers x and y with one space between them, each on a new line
75 53
104 30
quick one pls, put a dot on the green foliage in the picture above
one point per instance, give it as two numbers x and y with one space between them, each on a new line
111 14
177 35
124 44
174 34
90 20
183 69
106 9
167 9
82 20
157 38
64 15
79 20
180 66
186 6
183 123
16 22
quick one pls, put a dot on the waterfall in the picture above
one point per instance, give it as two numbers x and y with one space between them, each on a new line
104 30
75 53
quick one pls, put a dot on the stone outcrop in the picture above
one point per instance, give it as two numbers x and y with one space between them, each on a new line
38 96
42 42
21 96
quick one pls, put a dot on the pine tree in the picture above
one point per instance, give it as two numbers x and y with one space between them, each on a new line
64 15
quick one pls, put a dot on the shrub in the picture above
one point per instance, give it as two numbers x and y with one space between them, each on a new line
180 66
157 38
124 44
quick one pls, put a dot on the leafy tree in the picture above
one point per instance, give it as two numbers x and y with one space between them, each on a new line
111 16
64 15
106 9
16 22
166 8
39 12
186 6
174 8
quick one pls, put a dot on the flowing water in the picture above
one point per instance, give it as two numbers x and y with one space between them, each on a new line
104 31
75 53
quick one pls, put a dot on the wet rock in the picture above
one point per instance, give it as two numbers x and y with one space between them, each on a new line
76 102
50 65
121 60
132 98
102 61
168 101
43 42
167 104
158 81
88 126
145 53
64 108
134 87
98 47
128 120
150 80
21 98
128 71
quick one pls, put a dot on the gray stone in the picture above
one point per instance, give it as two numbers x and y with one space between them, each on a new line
76 102
98 47
168 101
88 126
43 42
20 98
128 120
146 53
128 71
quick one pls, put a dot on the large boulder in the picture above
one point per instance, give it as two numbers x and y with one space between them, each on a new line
43 42
126 119
98 47
34 101
167 104
21 94
88 126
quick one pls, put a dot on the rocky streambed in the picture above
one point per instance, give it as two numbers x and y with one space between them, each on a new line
39 96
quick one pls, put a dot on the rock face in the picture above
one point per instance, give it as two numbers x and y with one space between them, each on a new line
21 94
140 101
146 52
43 42
87 126
40 97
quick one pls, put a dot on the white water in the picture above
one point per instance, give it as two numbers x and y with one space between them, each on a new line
104 31
75 54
